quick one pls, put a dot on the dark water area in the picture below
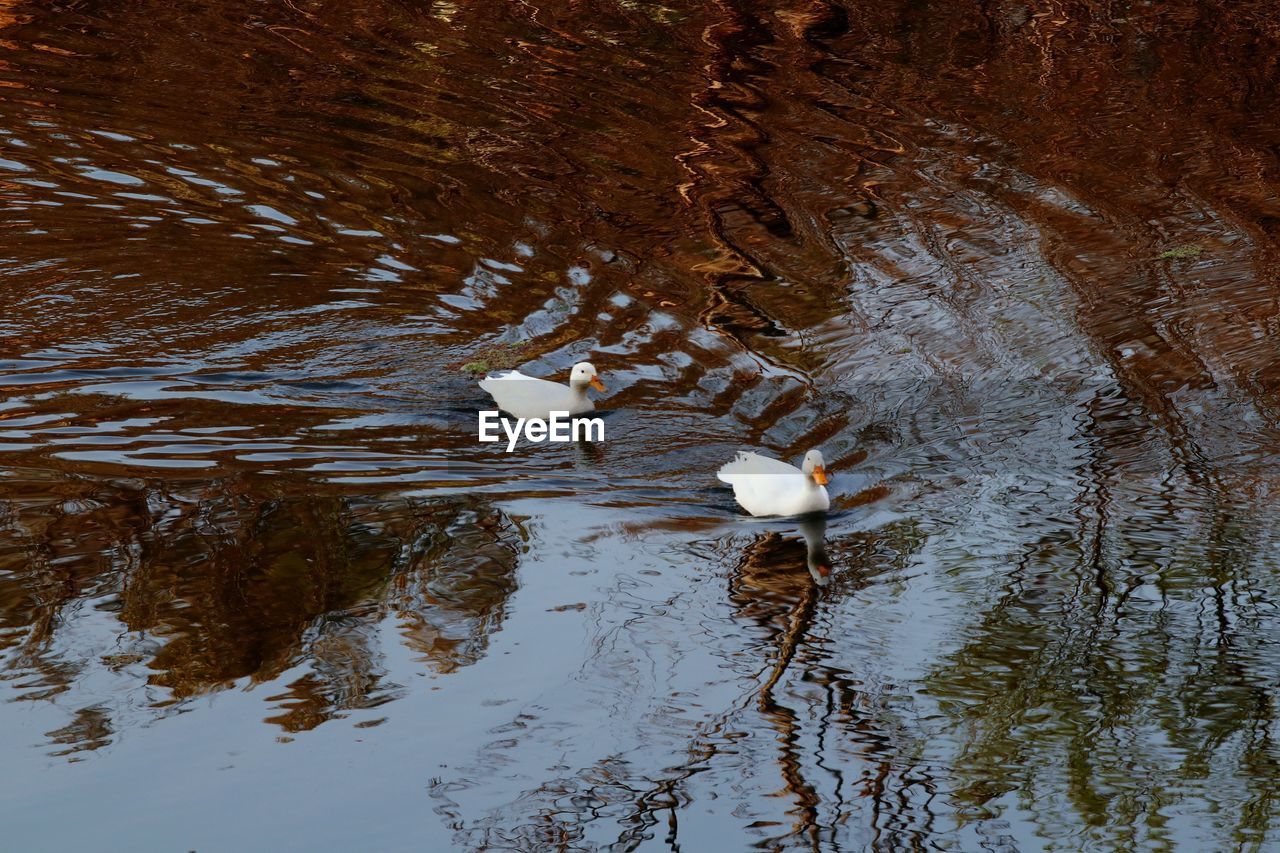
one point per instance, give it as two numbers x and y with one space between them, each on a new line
1013 266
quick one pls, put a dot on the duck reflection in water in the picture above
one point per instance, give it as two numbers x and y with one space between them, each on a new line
813 528
771 559
769 588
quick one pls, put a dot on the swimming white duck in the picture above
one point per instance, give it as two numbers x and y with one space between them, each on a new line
765 486
529 397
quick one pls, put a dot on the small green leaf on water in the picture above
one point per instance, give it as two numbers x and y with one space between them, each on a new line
1178 253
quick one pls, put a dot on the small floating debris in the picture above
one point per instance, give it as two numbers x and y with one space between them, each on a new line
1179 253
504 355
117 662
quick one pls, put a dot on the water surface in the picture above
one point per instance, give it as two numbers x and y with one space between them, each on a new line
1012 267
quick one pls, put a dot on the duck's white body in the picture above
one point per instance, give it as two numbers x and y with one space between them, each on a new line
530 397
765 486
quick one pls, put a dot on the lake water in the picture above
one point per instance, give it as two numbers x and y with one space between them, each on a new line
1012 266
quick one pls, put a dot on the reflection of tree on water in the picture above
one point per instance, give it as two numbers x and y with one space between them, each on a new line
794 705
1120 670
460 576
769 552
775 586
221 582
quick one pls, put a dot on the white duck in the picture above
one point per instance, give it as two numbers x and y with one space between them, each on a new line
765 486
529 397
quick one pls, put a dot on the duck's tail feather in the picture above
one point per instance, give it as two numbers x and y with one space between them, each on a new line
499 377
735 467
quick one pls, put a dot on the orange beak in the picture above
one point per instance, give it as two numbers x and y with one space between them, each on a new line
597 384
820 475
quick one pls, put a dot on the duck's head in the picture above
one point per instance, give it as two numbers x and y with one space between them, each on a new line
815 467
584 373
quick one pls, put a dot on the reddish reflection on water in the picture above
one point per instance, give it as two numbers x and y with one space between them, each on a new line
1012 265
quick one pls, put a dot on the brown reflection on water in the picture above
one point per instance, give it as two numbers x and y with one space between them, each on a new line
1012 265
223 583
